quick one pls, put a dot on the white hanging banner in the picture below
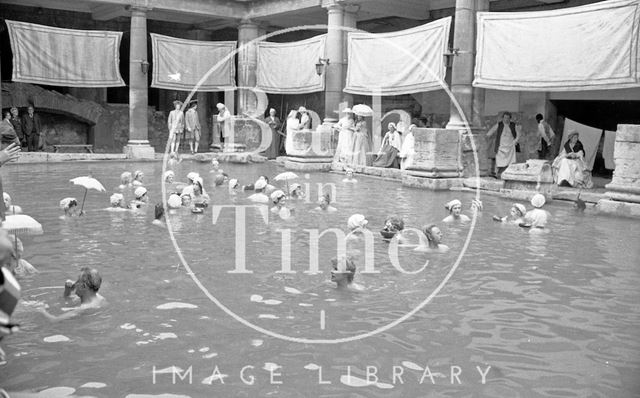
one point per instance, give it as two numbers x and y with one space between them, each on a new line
403 62
65 57
572 49
289 68
179 64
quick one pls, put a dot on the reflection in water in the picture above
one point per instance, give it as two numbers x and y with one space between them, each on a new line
553 314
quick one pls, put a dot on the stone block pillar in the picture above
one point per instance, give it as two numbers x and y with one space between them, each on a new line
349 21
138 145
247 65
623 197
334 50
438 159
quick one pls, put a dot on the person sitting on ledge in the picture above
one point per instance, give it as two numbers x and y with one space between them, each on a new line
433 237
569 167
86 287
391 145
455 212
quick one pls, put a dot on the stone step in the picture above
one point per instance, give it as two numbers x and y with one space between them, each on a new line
484 183
587 196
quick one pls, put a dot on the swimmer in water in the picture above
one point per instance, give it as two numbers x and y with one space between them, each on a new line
433 237
536 218
515 216
174 159
186 200
455 212
138 177
233 186
357 223
158 215
10 209
141 198
86 287
393 226
169 177
117 202
343 273
279 200
70 207
125 180
199 198
324 204
259 196
349 175
295 191
23 267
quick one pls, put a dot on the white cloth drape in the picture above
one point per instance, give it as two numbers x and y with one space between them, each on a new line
589 136
65 57
580 48
179 64
289 68
403 62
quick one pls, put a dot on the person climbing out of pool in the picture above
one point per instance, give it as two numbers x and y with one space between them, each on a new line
158 215
138 178
279 199
259 196
343 273
86 288
324 204
393 226
516 215
117 202
141 198
537 217
431 242
10 208
70 207
455 212
295 191
348 172
125 180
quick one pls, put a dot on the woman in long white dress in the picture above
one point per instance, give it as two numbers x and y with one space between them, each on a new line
360 143
345 128
293 125
407 152
569 167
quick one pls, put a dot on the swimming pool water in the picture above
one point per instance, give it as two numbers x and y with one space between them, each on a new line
553 315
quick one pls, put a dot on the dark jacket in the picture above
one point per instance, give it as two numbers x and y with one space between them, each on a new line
30 125
17 126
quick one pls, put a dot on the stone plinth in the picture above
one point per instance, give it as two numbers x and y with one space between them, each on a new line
474 142
307 164
485 184
435 184
623 196
437 153
139 151
533 176
311 150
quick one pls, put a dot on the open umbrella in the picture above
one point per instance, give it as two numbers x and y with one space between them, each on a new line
21 224
286 176
362 110
88 183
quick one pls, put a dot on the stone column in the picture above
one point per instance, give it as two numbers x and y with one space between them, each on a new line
334 71
349 21
470 100
138 145
203 97
247 64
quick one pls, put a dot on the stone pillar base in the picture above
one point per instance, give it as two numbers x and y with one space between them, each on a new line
435 184
136 150
533 176
617 208
308 164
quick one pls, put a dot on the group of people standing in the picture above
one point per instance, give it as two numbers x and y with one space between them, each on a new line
185 124
23 131
353 139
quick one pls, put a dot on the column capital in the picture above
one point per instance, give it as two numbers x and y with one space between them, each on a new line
139 6
247 22
332 5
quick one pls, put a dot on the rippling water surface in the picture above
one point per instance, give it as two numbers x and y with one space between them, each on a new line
553 315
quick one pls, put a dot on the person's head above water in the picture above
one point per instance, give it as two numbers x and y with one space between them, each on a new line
454 207
433 234
125 178
169 176
116 200
348 172
218 180
88 282
138 175
7 199
324 201
141 194
278 197
343 271
260 184
186 199
357 221
191 176
518 210
68 203
394 223
538 200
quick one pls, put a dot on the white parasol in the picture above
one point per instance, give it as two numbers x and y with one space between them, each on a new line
286 176
88 183
21 224
362 110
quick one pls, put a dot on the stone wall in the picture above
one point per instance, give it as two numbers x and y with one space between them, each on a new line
626 176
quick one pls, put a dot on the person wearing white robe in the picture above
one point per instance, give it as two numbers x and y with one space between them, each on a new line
345 128
407 153
293 125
